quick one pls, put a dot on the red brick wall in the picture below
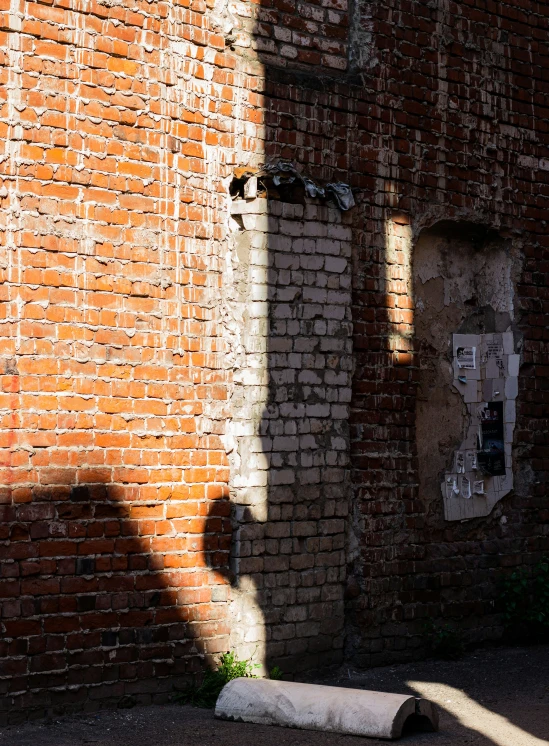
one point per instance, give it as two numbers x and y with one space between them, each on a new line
442 117
115 532
454 128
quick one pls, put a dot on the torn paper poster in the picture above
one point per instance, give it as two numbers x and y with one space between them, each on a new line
465 488
466 357
471 461
494 350
491 450
489 392
450 487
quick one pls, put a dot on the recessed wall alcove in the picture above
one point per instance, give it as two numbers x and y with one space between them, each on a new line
464 283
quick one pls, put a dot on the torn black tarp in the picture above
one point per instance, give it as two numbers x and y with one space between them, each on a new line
284 172
312 189
341 194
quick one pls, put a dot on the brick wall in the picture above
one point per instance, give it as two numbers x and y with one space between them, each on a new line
289 297
452 129
117 125
120 127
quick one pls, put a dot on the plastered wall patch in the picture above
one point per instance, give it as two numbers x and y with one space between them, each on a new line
485 370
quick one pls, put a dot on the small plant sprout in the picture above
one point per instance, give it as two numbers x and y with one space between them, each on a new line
228 668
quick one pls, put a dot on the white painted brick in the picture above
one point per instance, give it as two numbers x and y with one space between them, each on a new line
282 311
339 412
314 295
258 292
259 257
307 441
318 410
304 246
280 243
290 227
249 207
260 223
343 232
282 443
313 228
333 312
282 476
335 264
290 210
288 294
259 310
258 240
328 246
287 261
308 376
256 478
312 262
259 275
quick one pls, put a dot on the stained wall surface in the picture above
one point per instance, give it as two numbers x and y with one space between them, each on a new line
464 290
289 299
121 126
117 125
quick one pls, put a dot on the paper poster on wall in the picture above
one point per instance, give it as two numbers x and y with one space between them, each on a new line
485 371
491 450
450 488
471 460
494 350
466 357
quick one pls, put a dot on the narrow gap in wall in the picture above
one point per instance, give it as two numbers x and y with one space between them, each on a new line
247 184
470 355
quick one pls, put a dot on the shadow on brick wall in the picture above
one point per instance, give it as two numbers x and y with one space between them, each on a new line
101 608
289 297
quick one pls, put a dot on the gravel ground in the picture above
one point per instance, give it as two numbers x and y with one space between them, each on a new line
497 697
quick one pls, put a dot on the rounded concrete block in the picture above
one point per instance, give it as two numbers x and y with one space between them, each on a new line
314 707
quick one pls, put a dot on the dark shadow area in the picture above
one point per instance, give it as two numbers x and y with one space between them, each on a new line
184 726
107 606
416 724
290 297
327 539
497 696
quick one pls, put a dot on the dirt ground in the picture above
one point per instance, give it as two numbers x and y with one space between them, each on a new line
497 697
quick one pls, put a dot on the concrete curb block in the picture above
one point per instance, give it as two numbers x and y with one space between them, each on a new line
326 708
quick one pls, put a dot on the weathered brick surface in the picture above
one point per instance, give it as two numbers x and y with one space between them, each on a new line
454 127
120 124
115 123
289 290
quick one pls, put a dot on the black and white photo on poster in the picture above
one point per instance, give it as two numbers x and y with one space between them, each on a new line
491 449
466 357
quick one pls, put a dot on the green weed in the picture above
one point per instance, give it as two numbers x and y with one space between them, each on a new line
524 601
276 673
444 642
229 668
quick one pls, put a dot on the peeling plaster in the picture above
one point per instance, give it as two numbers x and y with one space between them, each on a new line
464 284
